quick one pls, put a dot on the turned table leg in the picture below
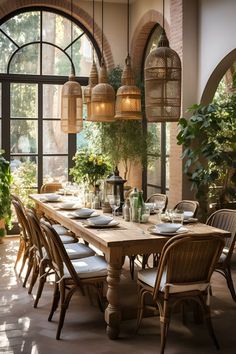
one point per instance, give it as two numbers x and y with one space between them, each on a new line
113 311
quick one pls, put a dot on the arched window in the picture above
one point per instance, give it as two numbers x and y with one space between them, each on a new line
156 176
37 53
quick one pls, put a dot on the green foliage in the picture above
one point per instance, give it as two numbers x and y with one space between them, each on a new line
5 196
122 141
24 181
89 167
209 141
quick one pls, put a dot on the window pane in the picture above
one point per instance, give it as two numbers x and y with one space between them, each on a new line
55 62
55 168
24 101
54 140
24 136
57 29
82 56
26 60
51 101
23 28
154 173
24 170
6 50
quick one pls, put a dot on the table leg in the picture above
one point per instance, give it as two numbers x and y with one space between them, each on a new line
113 311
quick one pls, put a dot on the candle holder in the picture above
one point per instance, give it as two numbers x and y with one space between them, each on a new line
117 184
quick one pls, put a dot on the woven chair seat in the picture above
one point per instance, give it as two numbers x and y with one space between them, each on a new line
74 251
90 267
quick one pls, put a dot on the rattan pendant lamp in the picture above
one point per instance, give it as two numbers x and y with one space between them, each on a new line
128 97
103 95
93 81
162 74
71 99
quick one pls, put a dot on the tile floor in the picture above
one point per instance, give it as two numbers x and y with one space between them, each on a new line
24 329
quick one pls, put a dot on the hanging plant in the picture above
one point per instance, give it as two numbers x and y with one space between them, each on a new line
5 196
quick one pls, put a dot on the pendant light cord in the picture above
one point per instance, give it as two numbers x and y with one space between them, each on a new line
128 28
71 35
163 18
93 29
102 32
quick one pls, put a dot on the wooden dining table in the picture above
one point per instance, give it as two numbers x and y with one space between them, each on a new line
125 239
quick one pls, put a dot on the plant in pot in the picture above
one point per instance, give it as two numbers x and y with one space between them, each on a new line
209 141
5 195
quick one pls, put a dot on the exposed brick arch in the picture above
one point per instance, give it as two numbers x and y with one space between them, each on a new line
141 34
64 5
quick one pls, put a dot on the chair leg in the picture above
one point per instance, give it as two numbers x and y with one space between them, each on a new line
42 280
131 266
64 306
34 277
20 252
55 301
228 276
141 304
25 256
164 324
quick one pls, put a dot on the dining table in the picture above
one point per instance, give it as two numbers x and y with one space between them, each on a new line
125 238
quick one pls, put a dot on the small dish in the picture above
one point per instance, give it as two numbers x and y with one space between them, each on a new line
100 220
112 223
83 213
190 220
52 197
69 206
154 231
168 227
188 215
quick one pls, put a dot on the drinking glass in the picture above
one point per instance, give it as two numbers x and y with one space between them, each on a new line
177 216
114 201
159 205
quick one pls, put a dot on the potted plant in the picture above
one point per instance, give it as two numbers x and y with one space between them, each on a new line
209 141
5 195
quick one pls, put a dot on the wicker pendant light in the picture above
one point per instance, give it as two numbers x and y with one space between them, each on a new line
103 95
162 82
93 81
128 96
71 100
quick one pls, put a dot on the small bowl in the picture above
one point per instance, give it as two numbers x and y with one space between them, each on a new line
68 205
100 220
84 212
188 215
168 227
51 197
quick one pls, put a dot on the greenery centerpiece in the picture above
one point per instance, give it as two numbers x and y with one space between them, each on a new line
5 195
89 168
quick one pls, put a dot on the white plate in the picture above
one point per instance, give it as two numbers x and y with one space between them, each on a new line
153 230
76 215
52 198
67 206
111 224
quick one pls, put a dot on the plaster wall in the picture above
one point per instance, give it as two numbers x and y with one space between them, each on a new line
217 29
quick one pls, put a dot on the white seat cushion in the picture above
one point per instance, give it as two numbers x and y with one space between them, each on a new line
67 239
148 276
61 230
78 250
89 267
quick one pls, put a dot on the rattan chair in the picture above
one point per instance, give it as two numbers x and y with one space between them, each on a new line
72 276
25 250
225 219
183 273
188 205
42 263
50 187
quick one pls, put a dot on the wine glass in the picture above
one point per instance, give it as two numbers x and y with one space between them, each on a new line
159 205
114 201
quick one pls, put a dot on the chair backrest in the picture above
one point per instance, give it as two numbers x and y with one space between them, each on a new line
158 197
188 205
50 187
58 254
22 220
38 237
225 219
188 260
